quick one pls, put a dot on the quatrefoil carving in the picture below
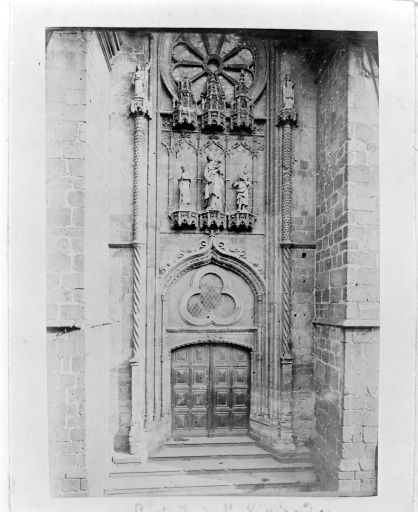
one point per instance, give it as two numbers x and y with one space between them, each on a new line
210 300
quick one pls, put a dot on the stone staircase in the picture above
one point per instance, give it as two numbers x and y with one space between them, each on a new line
217 466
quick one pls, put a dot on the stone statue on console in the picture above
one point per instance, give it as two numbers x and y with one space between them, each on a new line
242 186
288 93
184 189
140 79
214 180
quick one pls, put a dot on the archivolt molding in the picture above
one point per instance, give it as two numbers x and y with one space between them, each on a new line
213 252
219 340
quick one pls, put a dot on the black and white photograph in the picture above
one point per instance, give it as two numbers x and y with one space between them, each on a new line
213 238
217 235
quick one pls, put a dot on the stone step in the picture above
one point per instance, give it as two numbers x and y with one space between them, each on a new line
182 491
212 441
228 450
251 490
232 480
194 466
301 454
208 452
213 466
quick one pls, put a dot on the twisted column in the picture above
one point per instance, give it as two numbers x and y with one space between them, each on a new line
287 120
286 302
286 203
140 110
139 141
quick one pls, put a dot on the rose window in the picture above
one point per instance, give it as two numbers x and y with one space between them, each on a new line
198 55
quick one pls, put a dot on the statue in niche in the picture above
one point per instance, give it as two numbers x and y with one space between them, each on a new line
242 186
184 188
214 179
288 92
140 79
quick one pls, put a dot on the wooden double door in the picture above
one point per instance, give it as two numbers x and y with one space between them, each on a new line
210 390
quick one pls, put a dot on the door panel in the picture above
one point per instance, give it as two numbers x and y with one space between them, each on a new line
210 390
231 384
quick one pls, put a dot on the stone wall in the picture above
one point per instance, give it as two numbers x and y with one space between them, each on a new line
329 382
66 413
65 156
301 335
65 160
347 273
77 248
358 465
362 178
347 215
331 191
96 264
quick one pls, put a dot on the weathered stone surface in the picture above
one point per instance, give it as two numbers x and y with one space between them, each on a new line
331 382
65 159
347 272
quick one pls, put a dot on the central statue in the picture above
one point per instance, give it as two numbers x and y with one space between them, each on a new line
214 179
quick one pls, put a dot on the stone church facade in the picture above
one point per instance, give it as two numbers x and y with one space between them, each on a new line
212 247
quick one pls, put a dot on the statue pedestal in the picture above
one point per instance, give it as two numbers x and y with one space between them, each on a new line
141 106
241 221
184 219
287 115
213 219
184 117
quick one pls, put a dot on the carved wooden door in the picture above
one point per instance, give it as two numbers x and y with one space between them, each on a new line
190 385
229 389
210 390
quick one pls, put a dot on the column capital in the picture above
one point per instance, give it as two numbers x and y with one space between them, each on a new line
141 107
287 116
286 358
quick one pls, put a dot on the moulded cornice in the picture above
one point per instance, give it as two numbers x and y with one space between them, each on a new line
348 323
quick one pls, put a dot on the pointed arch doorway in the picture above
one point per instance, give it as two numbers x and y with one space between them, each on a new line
210 390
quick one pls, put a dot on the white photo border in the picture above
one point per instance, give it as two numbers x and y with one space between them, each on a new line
394 21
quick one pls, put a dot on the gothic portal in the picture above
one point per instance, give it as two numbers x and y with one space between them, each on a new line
213 246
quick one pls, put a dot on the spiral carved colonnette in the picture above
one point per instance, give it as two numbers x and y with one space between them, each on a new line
138 170
287 119
287 157
140 108
286 305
